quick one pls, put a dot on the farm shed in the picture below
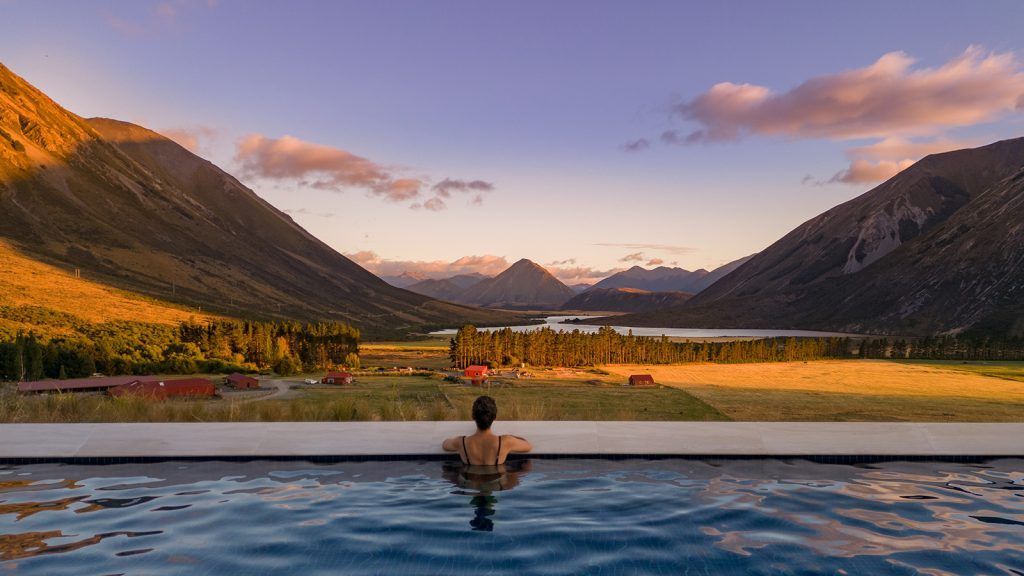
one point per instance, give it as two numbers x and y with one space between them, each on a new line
241 381
641 380
338 378
162 389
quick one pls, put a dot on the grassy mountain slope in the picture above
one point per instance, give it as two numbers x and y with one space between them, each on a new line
937 248
42 298
625 300
136 211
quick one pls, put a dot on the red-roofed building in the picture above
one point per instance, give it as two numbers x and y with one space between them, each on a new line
475 372
338 378
641 380
241 381
96 384
162 389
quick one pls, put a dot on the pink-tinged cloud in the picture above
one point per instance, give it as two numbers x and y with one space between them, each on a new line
889 97
655 262
884 159
329 168
289 158
191 138
665 248
581 274
634 257
488 265
867 172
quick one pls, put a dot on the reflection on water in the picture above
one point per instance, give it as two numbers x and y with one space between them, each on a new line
480 482
555 516
567 323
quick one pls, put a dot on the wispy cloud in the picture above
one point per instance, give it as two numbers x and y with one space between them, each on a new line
307 212
634 257
193 138
158 17
664 248
886 158
487 264
330 168
636 145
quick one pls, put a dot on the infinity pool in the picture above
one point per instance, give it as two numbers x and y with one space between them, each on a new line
541 517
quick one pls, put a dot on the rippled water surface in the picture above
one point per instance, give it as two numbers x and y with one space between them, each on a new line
545 516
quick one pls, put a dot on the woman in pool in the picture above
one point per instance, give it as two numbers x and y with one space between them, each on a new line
485 448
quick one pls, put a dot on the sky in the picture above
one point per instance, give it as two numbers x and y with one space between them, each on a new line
451 136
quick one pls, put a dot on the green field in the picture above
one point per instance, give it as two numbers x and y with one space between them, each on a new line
829 390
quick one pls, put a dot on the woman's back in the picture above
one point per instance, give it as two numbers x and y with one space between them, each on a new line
482 449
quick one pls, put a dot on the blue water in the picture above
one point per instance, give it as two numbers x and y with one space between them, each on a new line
548 517
558 323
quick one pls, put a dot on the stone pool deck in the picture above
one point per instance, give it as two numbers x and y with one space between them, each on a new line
422 439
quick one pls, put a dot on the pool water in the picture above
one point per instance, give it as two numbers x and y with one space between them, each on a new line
553 516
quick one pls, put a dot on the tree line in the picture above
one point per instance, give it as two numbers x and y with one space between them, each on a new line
548 347
219 346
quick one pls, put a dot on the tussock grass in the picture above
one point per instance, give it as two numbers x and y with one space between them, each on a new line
28 282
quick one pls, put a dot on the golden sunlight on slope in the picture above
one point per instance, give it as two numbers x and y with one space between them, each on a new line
27 282
844 390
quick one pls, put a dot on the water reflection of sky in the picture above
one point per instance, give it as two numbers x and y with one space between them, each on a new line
562 516
558 323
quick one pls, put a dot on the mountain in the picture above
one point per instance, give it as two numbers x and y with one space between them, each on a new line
133 210
464 281
937 248
581 287
625 300
404 280
523 286
442 289
449 289
665 279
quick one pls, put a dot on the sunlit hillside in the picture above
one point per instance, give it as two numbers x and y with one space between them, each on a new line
48 299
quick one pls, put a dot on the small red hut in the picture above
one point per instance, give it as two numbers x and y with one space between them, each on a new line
475 372
241 382
641 380
338 378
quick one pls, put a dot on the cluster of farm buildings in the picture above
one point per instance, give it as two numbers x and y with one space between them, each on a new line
477 374
158 388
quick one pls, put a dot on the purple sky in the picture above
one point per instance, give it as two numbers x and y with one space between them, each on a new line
594 135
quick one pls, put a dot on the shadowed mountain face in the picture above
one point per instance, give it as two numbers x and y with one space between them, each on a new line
135 210
523 286
939 247
665 279
625 300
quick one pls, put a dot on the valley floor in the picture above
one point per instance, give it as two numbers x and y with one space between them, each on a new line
834 390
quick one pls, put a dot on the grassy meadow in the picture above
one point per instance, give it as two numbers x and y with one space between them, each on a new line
852 390
824 390
25 282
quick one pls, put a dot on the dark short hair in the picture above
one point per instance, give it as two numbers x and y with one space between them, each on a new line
484 412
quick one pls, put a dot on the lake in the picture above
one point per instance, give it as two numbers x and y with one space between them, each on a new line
556 323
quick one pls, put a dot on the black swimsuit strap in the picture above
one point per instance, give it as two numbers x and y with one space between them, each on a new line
464 451
498 455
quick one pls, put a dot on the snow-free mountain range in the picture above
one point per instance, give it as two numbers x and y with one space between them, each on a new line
937 248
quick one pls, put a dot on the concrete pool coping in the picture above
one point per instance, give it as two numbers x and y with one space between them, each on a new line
41 442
